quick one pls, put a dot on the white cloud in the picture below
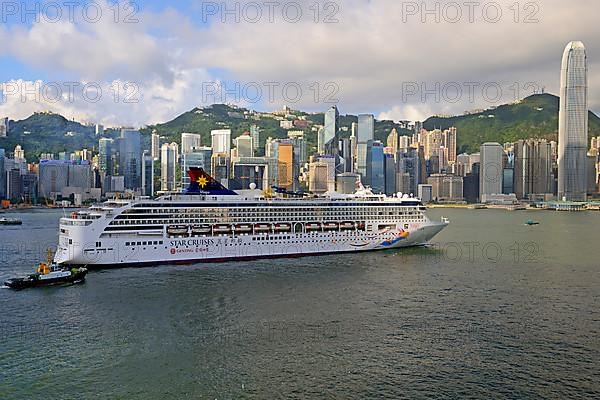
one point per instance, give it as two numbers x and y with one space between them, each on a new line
371 55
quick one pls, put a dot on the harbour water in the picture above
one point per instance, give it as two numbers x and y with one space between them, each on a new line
493 309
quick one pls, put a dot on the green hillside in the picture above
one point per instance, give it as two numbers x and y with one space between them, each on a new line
49 133
218 116
534 116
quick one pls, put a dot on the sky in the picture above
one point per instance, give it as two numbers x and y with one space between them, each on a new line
148 61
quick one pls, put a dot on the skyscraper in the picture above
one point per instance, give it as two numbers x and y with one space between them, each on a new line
533 168
450 144
364 140
130 158
155 146
168 165
2 175
255 133
190 141
490 178
221 141
105 156
200 158
147 174
376 167
332 122
3 127
393 141
244 146
573 124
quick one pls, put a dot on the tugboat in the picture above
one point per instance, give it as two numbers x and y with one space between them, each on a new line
10 221
49 273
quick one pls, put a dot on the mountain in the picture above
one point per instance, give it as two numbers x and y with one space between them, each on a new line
46 132
534 116
221 116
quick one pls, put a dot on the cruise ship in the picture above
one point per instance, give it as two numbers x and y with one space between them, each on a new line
209 223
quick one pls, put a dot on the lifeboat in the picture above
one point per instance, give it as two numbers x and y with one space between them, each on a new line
313 226
346 226
220 229
360 226
201 229
262 228
243 228
330 226
283 227
177 230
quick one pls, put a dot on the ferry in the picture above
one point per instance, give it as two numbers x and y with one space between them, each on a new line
210 223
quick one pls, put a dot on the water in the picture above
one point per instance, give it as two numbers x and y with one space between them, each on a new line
494 309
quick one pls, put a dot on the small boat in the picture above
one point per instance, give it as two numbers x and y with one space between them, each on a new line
218 229
531 223
10 221
202 229
331 226
313 226
177 230
48 274
345 226
243 228
262 228
283 227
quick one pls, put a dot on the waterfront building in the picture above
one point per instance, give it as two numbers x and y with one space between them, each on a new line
446 187
573 124
490 177
425 193
57 177
532 169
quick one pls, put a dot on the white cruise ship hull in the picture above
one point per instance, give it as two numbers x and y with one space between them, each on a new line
83 247
210 223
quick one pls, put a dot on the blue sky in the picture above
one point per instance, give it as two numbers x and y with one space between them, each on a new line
379 56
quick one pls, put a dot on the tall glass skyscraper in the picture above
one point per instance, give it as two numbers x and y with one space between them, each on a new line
2 176
330 129
573 124
130 158
364 138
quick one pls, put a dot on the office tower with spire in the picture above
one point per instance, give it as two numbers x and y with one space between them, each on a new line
573 124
